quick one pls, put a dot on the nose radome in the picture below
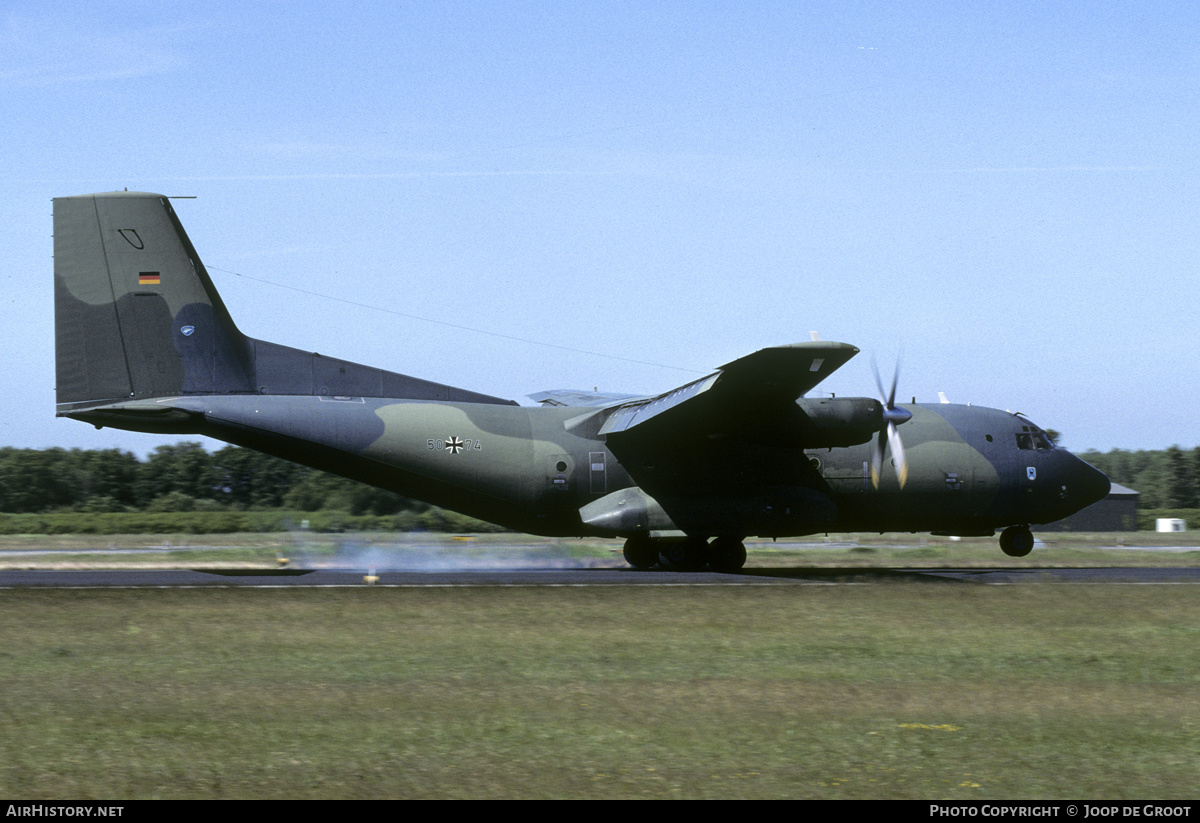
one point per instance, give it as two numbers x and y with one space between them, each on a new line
1091 484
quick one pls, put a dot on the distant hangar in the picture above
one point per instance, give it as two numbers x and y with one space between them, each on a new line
1115 513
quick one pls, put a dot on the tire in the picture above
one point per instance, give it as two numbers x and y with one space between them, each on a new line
727 555
1016 541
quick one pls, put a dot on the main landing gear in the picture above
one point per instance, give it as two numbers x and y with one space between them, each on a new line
1016 541
689 554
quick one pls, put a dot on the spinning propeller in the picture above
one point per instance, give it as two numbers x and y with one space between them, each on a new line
888 436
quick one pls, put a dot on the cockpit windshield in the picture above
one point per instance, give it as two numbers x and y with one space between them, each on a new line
1031 438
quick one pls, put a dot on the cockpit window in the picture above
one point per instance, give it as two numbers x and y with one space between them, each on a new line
1032 438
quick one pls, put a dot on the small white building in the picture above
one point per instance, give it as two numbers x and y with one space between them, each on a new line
1170 524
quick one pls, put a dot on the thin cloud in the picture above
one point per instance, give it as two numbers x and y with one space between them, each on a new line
43 53
1028 169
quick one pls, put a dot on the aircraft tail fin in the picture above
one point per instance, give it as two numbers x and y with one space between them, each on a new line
137 317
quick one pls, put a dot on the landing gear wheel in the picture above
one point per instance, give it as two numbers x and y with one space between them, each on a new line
640 552
726 555
1016 541
690 555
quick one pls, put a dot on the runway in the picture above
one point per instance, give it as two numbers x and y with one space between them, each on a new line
526 577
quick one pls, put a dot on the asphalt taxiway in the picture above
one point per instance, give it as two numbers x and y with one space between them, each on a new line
183 578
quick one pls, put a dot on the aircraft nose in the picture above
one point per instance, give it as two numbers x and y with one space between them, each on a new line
1089 484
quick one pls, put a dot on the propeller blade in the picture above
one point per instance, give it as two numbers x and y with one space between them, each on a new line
878 383
897 453
889 436
877 458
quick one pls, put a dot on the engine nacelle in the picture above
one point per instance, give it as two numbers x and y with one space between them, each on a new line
834 422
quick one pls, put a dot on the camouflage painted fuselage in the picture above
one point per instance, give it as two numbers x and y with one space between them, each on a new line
525 469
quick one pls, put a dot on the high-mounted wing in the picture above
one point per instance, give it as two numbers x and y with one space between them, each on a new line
723 454
571 397
763 384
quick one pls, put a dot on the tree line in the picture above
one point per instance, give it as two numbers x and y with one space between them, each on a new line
1165 479
181 477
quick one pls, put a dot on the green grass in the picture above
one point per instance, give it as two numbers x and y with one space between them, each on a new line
899 690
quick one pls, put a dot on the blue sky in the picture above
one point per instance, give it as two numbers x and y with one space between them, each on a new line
1006 194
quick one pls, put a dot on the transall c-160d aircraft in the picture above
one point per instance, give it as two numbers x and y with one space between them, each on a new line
145 343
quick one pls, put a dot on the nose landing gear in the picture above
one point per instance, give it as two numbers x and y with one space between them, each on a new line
1016 541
